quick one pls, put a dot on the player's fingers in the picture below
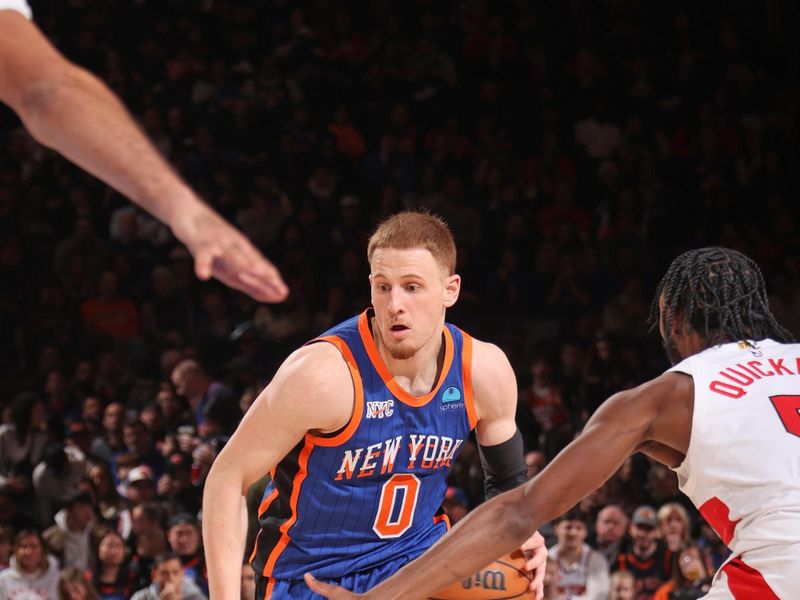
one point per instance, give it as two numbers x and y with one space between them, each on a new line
240 265
204 263
268 287
537 584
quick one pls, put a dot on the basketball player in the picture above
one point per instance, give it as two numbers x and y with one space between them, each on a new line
359 428
69 110
725 418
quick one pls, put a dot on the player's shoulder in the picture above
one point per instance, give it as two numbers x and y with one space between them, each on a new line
319 366
668 385
488 354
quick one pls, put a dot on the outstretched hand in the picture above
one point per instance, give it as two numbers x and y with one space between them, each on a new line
222 252
536 553
332 592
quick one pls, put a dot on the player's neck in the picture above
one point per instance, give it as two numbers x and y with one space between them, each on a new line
416 375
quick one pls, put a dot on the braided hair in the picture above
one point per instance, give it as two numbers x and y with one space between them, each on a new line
720 294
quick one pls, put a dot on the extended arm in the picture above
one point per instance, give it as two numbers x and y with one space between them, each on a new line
69 110
654 411
312 390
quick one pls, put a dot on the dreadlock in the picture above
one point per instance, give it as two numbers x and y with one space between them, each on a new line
719 293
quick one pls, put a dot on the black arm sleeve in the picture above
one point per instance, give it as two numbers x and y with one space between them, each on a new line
503 466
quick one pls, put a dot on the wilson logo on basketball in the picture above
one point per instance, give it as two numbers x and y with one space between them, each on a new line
488 580
380 409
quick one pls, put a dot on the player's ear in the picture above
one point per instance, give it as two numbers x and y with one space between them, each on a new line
452 288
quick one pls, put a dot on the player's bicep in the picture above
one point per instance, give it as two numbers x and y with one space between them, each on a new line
495 393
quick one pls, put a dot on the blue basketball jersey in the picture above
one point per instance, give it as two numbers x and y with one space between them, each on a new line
372 492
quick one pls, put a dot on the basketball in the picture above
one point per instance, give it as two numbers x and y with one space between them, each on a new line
503 579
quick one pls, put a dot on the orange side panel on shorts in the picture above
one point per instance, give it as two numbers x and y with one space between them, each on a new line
466 378
302 471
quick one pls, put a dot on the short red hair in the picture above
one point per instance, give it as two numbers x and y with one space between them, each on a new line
416 229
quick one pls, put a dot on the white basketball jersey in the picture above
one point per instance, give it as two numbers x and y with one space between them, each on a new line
742 469
18 5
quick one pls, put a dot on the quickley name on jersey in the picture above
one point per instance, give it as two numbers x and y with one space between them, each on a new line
371 492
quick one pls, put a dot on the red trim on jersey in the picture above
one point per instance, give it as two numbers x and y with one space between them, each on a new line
745 583
466 379
358 405
386 376
717 513
297 483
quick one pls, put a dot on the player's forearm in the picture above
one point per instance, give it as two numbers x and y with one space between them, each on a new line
224 533
69 110
491 530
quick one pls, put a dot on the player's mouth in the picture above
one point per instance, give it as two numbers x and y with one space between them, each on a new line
398 331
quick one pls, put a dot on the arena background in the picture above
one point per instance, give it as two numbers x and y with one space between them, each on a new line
574 148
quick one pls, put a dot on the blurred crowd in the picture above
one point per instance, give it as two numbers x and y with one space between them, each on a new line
573 147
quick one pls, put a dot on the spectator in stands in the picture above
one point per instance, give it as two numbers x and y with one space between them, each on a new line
111 443
113 576
111 507
535 461
139 486
169 581
22 442
70 538
690 580
139 442
73 584
150 544
648 559
674 525
584 572
610 528
192 382
57 478
33 573
185 541
552 581
623 586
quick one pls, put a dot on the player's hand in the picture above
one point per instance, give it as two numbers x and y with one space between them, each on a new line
536 552
221 251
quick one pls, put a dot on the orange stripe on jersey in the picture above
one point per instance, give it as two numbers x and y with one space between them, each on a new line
386 376
299 478
262 508
269 588
255 548
358 405
466 378
440 518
